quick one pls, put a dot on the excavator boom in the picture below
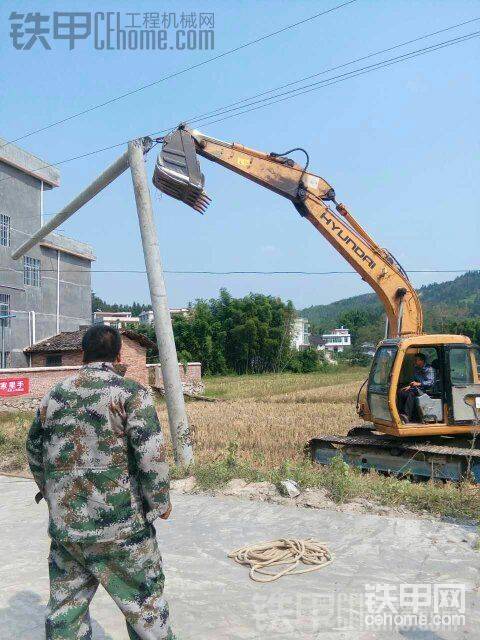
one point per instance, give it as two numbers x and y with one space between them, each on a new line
178 174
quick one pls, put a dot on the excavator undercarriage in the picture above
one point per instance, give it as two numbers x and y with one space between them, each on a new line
449 458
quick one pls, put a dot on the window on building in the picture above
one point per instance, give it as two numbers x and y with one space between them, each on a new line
5 360
53 360
31 271
4 230
5 308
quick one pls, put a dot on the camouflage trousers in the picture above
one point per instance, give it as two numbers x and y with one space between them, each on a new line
130 570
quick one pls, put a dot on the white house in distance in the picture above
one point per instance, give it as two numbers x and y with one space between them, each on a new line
337 340
146 317
120 319
300 334
117 319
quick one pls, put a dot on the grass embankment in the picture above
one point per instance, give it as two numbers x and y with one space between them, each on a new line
13 430
258 432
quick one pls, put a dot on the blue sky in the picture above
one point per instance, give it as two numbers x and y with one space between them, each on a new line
399 145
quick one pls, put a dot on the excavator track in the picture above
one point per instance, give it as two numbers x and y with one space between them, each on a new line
401 457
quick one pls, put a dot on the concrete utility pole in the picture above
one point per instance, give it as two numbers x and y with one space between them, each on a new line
177 414
3 323
3 364
133 157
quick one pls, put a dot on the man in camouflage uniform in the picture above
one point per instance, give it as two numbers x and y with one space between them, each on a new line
97 454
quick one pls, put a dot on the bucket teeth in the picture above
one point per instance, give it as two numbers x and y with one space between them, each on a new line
177 171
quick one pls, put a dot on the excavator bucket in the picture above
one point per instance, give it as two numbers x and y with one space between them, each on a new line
177 171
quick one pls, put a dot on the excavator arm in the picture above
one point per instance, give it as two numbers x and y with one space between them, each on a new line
177 173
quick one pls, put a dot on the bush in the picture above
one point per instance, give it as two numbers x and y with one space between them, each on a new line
354 357
307 361
339 479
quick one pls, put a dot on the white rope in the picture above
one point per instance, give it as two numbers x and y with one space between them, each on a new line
285 551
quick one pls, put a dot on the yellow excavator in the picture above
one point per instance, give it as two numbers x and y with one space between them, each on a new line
440 441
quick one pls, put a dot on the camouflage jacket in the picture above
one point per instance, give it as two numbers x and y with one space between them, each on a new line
97 454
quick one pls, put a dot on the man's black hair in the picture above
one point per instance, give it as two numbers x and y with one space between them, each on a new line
101 343
422 356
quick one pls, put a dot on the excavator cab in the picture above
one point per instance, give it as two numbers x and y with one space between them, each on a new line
441 440
452 401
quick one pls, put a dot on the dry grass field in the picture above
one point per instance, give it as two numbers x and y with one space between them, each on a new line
269 418
257 429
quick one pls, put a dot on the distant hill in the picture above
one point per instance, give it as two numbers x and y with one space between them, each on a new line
442 302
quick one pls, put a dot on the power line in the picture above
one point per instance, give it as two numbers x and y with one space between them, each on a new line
178 73
229 273
349 74
295 93
340 66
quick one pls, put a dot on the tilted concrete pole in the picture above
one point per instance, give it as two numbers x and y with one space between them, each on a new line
177 414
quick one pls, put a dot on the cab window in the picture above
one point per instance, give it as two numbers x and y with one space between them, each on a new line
461 369
476 363
382 366
408 366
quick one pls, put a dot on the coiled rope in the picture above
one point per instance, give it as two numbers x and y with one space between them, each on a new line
284 551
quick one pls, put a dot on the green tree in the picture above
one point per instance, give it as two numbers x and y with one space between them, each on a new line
238 335
309 361
135 308
469 327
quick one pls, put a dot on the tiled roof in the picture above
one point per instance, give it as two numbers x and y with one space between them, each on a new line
72 341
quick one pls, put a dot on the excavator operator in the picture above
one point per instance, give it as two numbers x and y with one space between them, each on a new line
423 381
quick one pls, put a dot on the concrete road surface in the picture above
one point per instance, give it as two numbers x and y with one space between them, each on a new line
387 572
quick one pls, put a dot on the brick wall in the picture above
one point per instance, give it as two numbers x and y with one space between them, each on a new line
69 359
41 379
190 375
134 356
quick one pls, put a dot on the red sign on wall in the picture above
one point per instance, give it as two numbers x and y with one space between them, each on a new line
14 387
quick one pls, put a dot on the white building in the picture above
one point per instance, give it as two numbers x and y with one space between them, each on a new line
146 317
337 340
117 319
300 334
